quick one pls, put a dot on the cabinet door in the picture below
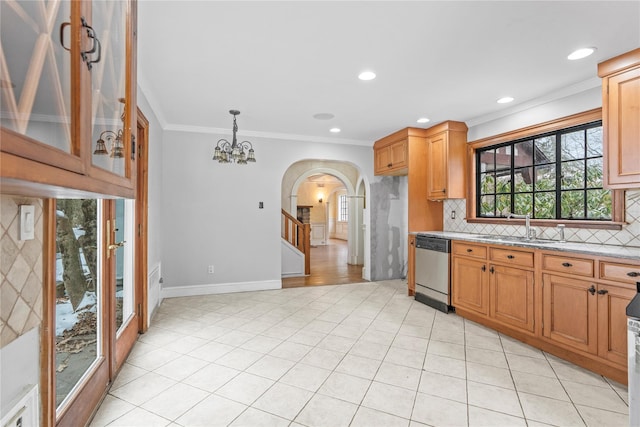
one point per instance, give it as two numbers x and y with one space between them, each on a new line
622 127
437 166
470 287
40 78
570 312
399 154
411 269
112 110
511 299
612 322
382 160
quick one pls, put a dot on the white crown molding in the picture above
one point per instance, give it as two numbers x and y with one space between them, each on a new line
270 135
541 100
219 288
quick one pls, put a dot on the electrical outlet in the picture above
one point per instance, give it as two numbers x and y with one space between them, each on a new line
453 214
210 270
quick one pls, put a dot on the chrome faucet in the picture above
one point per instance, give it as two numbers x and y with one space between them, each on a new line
527 225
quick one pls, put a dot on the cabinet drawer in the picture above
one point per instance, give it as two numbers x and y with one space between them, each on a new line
562 264
470 250
511 256
625 273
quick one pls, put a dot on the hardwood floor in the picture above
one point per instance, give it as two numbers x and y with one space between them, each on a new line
328 267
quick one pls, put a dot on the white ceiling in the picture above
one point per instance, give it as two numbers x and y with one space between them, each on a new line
280 63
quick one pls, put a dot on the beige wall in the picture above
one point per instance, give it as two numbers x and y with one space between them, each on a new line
20 270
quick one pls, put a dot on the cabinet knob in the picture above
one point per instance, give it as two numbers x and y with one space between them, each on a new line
469 250
592 290
510 256
444 190
633 274
603 292
389 165
567 264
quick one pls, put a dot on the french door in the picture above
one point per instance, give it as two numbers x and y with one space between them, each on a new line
95 309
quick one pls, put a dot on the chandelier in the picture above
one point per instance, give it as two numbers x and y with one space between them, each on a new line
234 151
115 139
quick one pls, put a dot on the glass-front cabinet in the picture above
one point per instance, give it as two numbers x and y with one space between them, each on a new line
67 92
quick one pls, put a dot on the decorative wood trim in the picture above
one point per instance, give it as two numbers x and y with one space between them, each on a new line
619 63
142 219
618 219
550 126
47 335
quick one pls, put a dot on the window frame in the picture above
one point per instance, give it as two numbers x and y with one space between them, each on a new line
580 119
343 208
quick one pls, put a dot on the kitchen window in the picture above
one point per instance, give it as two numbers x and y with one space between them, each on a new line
552 171
556 175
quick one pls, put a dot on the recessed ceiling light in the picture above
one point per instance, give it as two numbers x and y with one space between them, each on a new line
323 116
581 53
423 120
334 130
505 100
367 75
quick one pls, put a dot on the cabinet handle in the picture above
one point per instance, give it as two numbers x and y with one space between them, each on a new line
592 290
491 270
389 165
96 47
567 264
603 292
633 274
510 256
469 250
484 268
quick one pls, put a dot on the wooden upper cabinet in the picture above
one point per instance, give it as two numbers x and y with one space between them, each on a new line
39 105
68 79
391 157
446 161
621 120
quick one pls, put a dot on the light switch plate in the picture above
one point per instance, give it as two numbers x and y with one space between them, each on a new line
26 226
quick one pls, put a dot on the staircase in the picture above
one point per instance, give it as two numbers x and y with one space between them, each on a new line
298 235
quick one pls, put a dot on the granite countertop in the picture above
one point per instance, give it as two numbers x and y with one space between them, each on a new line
627 252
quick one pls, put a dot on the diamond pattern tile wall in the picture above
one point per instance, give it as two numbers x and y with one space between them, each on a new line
628 236
20 271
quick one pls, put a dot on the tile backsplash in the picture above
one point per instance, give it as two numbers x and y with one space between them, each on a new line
20 271
628 236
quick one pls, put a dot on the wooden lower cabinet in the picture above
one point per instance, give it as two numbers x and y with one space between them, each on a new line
570 312
511 296
411 266
470 285
612 322
567 304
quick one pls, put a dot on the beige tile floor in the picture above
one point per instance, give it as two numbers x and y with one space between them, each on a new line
347 355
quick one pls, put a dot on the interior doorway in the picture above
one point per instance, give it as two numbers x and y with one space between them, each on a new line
330 197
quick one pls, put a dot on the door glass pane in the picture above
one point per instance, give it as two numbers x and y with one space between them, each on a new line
109 85
35 94
78 302
124 254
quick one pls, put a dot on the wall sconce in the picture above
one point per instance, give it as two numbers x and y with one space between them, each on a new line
114 138
320 199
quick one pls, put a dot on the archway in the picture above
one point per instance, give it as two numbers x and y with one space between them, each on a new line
297 176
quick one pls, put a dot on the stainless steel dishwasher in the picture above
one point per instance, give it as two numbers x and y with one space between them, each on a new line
433 272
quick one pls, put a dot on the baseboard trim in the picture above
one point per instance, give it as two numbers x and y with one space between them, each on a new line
220 288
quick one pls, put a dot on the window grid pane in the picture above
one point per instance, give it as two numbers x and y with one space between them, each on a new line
550 176
343 208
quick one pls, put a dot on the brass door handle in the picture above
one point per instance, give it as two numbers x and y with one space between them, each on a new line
117 245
